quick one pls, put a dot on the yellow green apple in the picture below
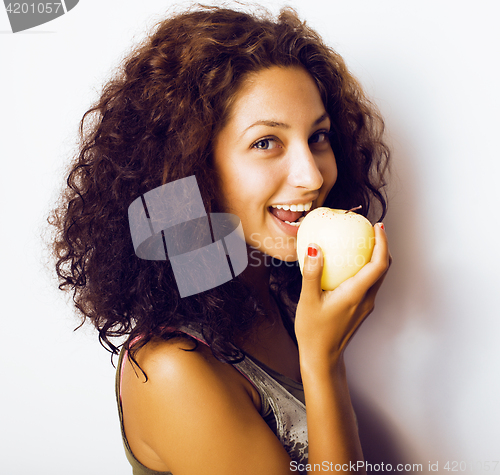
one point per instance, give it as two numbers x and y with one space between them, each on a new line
346 239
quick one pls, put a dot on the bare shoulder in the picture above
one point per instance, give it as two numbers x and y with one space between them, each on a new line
191 403
180 365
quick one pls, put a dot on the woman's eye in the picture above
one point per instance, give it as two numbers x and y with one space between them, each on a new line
265 144
319 137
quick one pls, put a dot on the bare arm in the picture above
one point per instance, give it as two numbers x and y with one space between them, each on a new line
325 323
197 415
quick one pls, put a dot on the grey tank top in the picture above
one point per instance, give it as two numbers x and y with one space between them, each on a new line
282 400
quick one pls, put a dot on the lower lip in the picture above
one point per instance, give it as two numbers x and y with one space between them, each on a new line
287 228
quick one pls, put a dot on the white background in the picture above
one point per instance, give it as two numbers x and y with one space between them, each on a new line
425 367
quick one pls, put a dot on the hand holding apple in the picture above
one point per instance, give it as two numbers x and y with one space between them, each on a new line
346 239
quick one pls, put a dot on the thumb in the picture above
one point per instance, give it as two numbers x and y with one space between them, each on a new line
312 271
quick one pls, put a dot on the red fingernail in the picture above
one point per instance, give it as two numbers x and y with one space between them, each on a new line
382 226
312 251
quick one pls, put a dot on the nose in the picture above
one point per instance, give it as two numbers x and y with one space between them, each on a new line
303 169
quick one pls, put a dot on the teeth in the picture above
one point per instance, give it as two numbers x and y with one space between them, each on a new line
299 207
296 223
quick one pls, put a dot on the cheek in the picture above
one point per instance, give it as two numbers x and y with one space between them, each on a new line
243 191
329 173
230 181
253 184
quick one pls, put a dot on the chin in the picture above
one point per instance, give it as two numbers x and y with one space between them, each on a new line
258 256
283 255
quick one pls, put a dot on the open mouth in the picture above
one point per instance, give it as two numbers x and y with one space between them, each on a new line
291 217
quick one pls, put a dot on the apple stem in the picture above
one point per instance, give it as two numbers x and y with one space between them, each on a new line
354 209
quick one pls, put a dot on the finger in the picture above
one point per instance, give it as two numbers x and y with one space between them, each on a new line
379 263
311 273
381 254
373 290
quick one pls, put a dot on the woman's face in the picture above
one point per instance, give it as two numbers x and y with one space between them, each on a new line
274 158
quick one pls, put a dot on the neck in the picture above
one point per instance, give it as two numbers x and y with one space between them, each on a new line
257 275
268 341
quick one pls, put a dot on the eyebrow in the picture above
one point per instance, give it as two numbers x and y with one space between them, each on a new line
274 123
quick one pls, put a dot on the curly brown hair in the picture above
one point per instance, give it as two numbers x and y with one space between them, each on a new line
154 123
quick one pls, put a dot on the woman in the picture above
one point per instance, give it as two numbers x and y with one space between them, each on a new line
265 116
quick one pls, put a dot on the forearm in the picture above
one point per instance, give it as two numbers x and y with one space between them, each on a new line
332 428
325 322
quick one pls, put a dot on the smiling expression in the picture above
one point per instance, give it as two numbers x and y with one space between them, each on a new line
274 157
